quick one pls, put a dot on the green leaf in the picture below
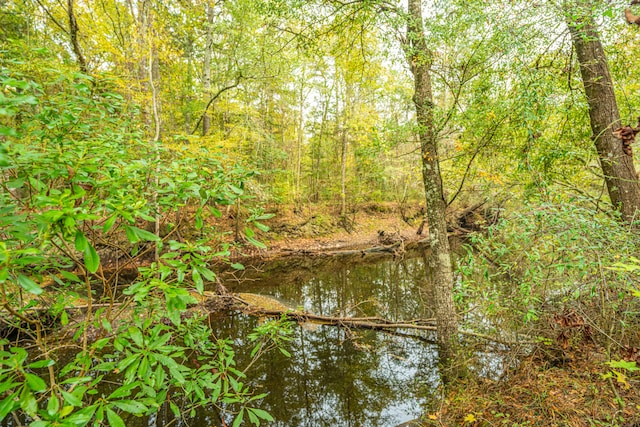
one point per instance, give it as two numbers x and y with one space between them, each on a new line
197 280
71 398
144 234
7 385
81 241
175 409
131 406
64 318
265 216
108 224
252 417
28 402
66 410
41 364
7 131
35 382
83 416
261 226
29 285
262 414
123 391
91 259
69 276
256 243
174 368
623 364
8 405
136 336
114 419
238 419
53 406
131 235
237 266
236 190
208 274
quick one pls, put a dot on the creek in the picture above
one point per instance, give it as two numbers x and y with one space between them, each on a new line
337 376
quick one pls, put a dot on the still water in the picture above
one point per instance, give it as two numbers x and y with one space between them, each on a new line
336 376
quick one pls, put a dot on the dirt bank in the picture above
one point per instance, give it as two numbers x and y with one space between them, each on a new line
320 230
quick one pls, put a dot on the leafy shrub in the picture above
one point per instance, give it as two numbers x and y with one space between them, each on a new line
548 261
84 195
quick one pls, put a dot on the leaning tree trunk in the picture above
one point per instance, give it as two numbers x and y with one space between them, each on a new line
73 34
619 173
419 57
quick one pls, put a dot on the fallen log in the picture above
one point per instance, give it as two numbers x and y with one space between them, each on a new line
277 309
390 249
265 306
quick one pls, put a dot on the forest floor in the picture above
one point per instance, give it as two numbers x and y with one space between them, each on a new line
580 392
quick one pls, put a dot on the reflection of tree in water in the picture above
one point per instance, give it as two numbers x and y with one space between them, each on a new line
337 377
387 289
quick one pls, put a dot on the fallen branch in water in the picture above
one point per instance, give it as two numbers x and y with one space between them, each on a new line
278 309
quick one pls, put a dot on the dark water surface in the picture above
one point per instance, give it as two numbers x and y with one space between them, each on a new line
335 376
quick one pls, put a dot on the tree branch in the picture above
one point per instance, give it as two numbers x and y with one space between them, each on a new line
216 96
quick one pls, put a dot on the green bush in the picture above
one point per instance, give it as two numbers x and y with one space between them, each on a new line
549 260
81 192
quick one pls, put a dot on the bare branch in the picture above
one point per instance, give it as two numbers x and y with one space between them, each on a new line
216 96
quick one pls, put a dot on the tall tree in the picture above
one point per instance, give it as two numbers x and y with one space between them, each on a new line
419 57
619 172
208 53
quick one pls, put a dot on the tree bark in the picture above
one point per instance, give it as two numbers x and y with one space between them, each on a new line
619 172
419 57
299 141
208 53
73 34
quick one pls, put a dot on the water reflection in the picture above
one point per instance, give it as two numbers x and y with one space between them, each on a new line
339 377
387 288
335 376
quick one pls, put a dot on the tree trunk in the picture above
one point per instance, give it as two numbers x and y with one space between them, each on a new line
206 77
619 173
419 57
73 34
299 141
343 172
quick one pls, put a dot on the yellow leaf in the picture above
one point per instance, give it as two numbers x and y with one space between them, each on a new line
433 417
470 418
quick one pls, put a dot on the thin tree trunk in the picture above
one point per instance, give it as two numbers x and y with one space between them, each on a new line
348 95
419 57
317 155
154 77
73 33
619 172
208 53
343 173
298 197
